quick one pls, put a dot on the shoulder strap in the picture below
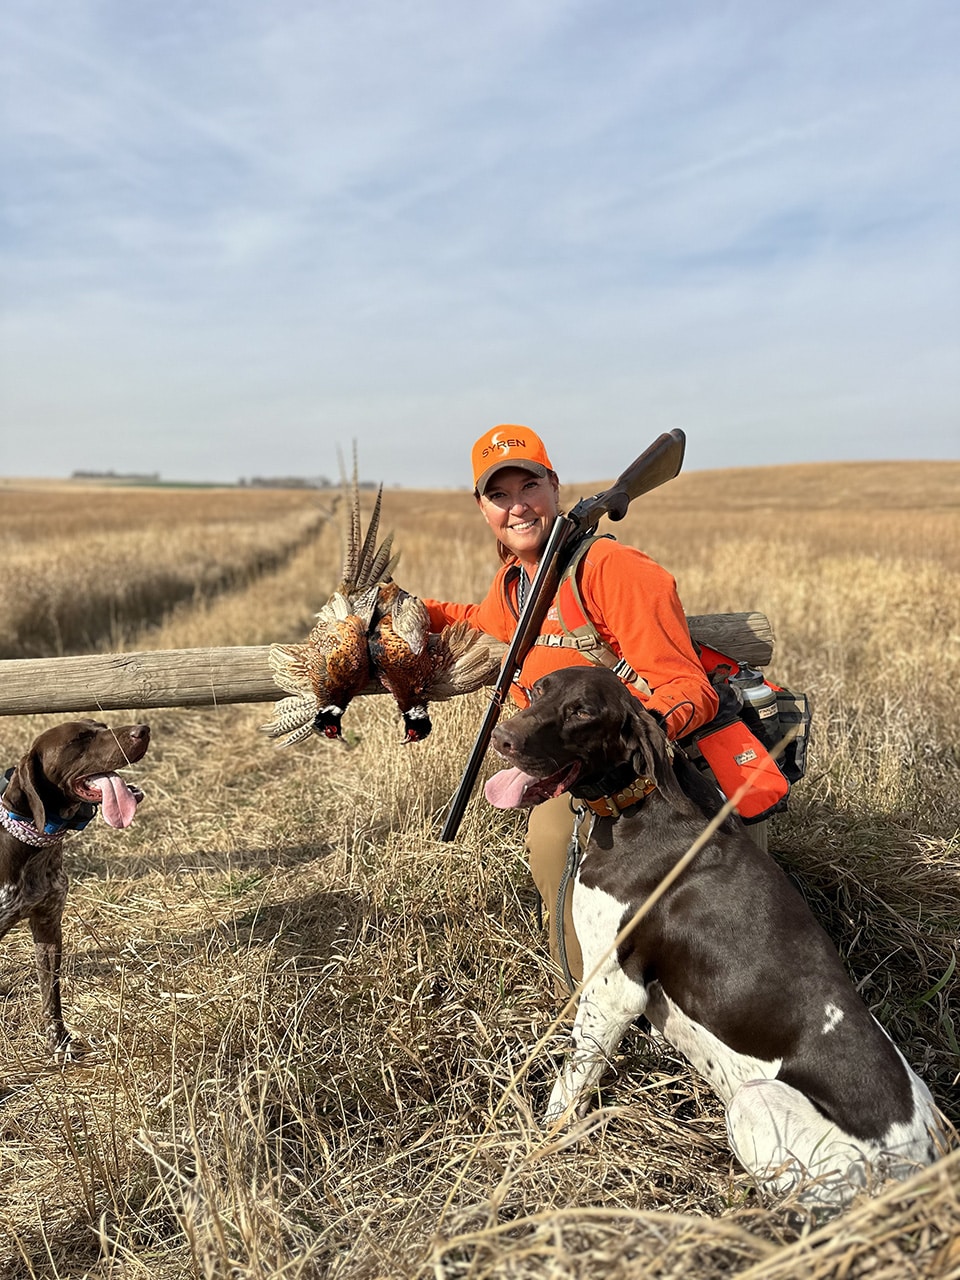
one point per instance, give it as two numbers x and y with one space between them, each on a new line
582 635
570 578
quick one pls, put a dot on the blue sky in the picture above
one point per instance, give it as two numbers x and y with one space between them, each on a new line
235 236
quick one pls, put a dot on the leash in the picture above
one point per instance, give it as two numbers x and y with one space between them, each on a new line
574 855
607 805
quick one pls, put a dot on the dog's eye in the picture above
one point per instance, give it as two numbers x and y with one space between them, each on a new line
583 713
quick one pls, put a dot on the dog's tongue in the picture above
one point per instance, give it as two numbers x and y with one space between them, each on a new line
514 789
505 789
118 802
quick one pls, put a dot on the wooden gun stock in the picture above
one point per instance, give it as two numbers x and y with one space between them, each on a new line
657 464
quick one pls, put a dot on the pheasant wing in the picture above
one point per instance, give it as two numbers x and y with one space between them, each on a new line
463 659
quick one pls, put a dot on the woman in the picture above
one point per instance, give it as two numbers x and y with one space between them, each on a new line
631 601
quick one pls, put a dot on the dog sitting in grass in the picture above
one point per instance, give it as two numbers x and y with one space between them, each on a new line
729 964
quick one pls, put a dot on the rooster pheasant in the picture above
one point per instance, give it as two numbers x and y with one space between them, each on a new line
324 674
370 629
332 666
417 666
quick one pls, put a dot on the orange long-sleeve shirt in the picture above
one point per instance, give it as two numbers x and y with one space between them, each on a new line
633 603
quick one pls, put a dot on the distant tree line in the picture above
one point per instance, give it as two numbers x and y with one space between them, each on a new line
295 482
129 477
255 482
284 482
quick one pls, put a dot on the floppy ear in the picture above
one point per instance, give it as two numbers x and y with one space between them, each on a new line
650 754
28 774
638 742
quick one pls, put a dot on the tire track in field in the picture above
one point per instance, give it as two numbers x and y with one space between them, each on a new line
92 620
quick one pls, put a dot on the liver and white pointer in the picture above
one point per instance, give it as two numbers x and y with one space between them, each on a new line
729 965
54 789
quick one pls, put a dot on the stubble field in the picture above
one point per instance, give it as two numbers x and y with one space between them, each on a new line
312 1028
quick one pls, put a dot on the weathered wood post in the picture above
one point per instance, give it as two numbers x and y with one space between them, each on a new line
214 677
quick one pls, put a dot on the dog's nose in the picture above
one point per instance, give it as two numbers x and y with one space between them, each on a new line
503 741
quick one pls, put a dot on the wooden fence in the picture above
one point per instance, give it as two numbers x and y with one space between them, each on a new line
214 677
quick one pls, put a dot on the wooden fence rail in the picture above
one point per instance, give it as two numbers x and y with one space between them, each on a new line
154 678
212 677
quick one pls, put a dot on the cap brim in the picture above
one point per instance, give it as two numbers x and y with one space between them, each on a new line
518 464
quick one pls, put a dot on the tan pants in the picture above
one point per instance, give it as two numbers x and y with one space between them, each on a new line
548 836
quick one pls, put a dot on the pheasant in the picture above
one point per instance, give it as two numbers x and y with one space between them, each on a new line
371 629
332 666
323 674
417 666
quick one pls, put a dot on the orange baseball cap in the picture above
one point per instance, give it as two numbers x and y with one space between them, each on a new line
508 445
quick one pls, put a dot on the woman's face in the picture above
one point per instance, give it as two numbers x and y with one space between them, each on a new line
520 508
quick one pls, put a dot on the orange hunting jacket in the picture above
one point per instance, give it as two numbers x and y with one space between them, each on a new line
633 603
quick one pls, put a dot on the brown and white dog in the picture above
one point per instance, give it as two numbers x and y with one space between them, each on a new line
729 965
54 789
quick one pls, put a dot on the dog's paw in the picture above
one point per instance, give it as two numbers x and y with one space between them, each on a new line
562 1109
64 1047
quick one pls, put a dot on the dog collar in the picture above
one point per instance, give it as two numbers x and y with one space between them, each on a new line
26 832
613 805
54 829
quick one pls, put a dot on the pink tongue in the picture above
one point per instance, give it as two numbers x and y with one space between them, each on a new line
505 789
118 801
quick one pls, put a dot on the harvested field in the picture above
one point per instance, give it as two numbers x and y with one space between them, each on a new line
85 568
312 1029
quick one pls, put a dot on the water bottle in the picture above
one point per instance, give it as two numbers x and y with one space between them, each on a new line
759 705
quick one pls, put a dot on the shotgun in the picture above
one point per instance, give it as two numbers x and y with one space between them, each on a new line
657 464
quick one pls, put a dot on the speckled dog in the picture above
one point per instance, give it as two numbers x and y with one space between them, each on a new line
54 789
729 965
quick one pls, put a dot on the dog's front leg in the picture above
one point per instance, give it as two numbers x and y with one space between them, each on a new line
48 944
608 1004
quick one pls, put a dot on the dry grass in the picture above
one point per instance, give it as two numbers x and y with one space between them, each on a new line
85 568
310 1023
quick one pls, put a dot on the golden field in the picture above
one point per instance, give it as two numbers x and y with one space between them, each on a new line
85 567
312 1028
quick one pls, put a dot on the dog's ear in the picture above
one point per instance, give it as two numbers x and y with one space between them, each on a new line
26 785
651 754
638 742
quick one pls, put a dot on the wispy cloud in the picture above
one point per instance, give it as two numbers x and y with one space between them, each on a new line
234 235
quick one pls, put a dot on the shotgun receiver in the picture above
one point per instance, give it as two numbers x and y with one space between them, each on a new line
657 464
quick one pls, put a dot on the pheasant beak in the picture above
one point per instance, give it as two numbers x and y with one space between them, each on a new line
416 728
327 724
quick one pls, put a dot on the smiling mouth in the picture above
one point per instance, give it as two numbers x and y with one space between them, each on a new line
523 528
